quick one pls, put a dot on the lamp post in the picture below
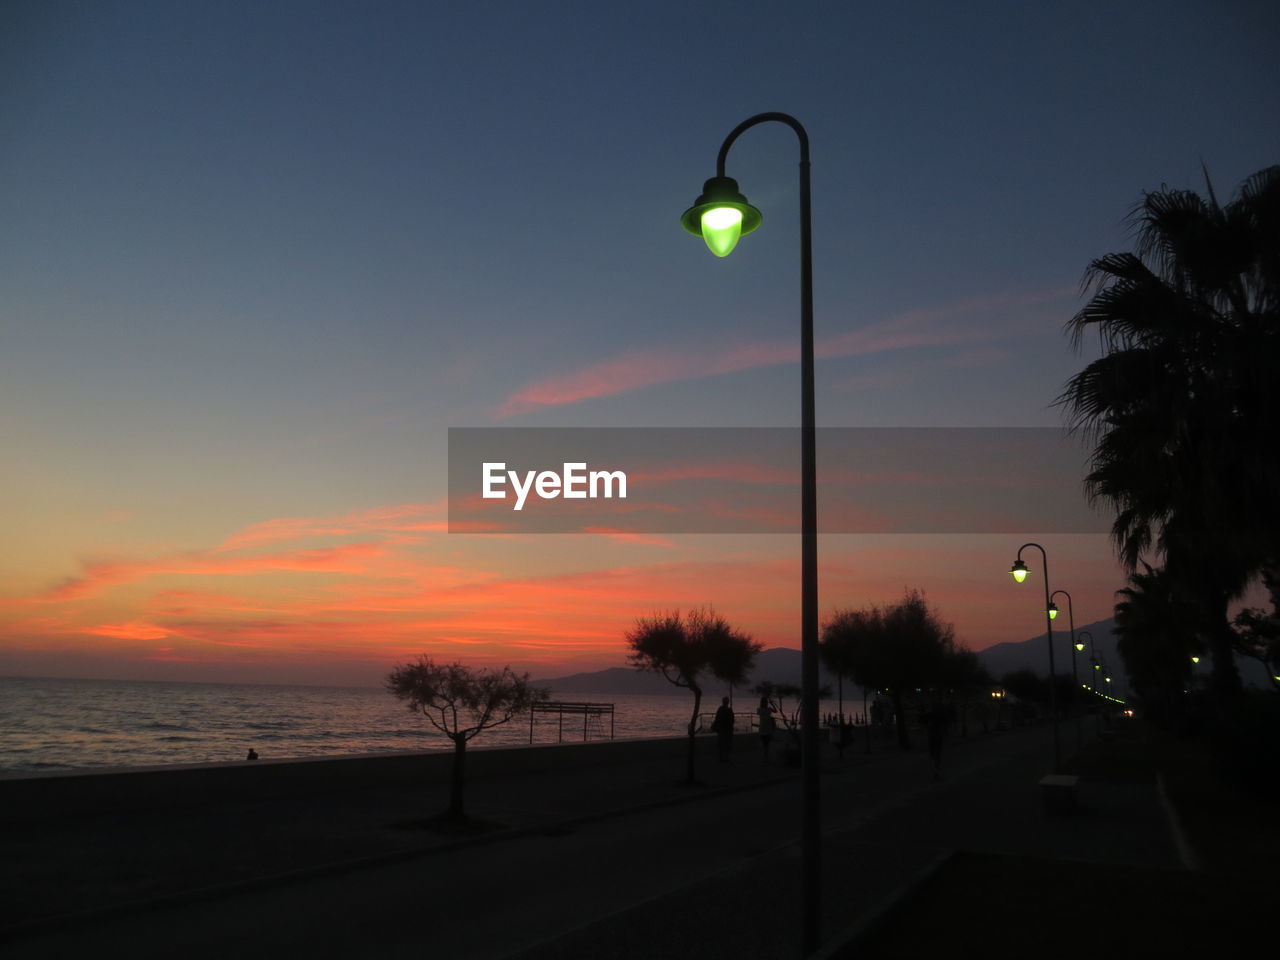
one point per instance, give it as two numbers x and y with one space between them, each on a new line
721 215
1019 573
1075 648
1093 684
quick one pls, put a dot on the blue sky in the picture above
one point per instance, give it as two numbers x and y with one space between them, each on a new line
257 258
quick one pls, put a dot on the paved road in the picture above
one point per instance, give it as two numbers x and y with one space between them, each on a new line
714 876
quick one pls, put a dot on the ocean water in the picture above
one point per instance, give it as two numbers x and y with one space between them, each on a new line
54 724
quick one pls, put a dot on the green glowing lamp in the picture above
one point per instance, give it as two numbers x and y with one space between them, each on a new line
1195 659
1079 646
1053 610
721 215
1019 571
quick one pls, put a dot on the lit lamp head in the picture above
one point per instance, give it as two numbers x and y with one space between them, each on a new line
1019 571
1053 610
1195 659
720 216
1079 646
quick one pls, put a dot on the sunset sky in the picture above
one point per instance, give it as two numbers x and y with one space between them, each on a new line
257 258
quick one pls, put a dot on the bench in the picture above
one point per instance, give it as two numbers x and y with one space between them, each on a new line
1059 792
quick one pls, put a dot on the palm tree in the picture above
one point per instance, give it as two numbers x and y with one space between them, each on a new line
1181 405
1156 638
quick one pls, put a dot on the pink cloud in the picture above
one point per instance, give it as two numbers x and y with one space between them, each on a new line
973 321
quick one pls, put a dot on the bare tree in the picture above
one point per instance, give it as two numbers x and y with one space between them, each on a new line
685 650
461 703
777 695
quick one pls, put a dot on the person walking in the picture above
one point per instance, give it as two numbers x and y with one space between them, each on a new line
766 723
937 717
722 727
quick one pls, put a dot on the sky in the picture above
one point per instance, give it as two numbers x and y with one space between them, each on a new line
257 259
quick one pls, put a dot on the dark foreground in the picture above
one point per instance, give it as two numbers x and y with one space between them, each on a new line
599 852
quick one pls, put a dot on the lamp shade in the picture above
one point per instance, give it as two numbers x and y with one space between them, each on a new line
1053 610
721 215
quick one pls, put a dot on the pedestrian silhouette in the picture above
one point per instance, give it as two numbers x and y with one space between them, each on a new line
767 723
253 754
722 727
936 718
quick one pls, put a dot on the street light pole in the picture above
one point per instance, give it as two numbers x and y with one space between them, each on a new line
1075 677
720 216
1019 572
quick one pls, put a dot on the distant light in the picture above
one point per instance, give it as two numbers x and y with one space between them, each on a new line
1195 659
1079 646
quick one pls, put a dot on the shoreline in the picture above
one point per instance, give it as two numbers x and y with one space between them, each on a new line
91 792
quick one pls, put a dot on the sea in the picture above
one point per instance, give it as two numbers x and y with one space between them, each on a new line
49 725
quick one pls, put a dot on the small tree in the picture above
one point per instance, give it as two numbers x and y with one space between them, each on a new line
778 694
684 651
462 703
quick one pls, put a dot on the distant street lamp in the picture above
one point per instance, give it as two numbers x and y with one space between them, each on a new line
1019 572
1092 659
1075 648
721 216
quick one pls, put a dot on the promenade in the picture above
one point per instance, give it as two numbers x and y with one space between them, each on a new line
593 851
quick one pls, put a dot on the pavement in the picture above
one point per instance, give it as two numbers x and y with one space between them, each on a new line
611 857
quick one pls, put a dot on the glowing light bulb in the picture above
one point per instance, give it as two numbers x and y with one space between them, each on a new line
721 228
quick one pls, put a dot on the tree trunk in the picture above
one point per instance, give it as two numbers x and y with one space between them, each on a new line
693 729
459 772
1226 676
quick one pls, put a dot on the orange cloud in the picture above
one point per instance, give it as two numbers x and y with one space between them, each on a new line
98 575
397 518
134 630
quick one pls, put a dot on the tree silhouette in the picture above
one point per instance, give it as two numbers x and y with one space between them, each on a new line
462 703
684 651
897 648
1156 638
1181 407
778 694
1258 632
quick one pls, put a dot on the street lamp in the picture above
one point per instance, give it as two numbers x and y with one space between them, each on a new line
1019 571
721 215
1093 660
1075 648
